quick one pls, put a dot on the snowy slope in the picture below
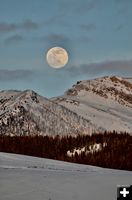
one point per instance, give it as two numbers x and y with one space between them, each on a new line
106 102
26 113
30 178
90 106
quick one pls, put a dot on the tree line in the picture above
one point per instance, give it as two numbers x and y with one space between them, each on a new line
116 154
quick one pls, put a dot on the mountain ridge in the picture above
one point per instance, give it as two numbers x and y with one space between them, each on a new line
98 105
106 101
29 113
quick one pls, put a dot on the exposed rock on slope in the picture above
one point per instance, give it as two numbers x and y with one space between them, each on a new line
106 102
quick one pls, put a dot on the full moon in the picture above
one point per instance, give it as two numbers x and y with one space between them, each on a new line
57 57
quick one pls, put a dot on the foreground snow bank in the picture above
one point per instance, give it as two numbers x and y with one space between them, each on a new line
31 178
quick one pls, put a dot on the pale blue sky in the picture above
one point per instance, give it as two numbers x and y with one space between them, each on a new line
96 33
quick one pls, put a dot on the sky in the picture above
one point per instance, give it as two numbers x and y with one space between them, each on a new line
97 35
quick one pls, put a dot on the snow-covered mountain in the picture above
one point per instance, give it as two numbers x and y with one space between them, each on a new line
24 113
106 102
89 106
26 177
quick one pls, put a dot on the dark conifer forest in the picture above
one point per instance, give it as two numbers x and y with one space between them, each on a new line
116 153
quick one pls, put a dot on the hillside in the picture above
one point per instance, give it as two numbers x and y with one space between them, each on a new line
27 113
106 102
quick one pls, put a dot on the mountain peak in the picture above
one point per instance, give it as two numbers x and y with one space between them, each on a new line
89 106
27 113
105 101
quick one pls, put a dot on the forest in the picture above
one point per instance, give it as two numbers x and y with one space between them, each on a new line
115 150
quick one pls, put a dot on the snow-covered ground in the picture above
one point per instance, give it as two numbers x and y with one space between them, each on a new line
30 178
91 149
